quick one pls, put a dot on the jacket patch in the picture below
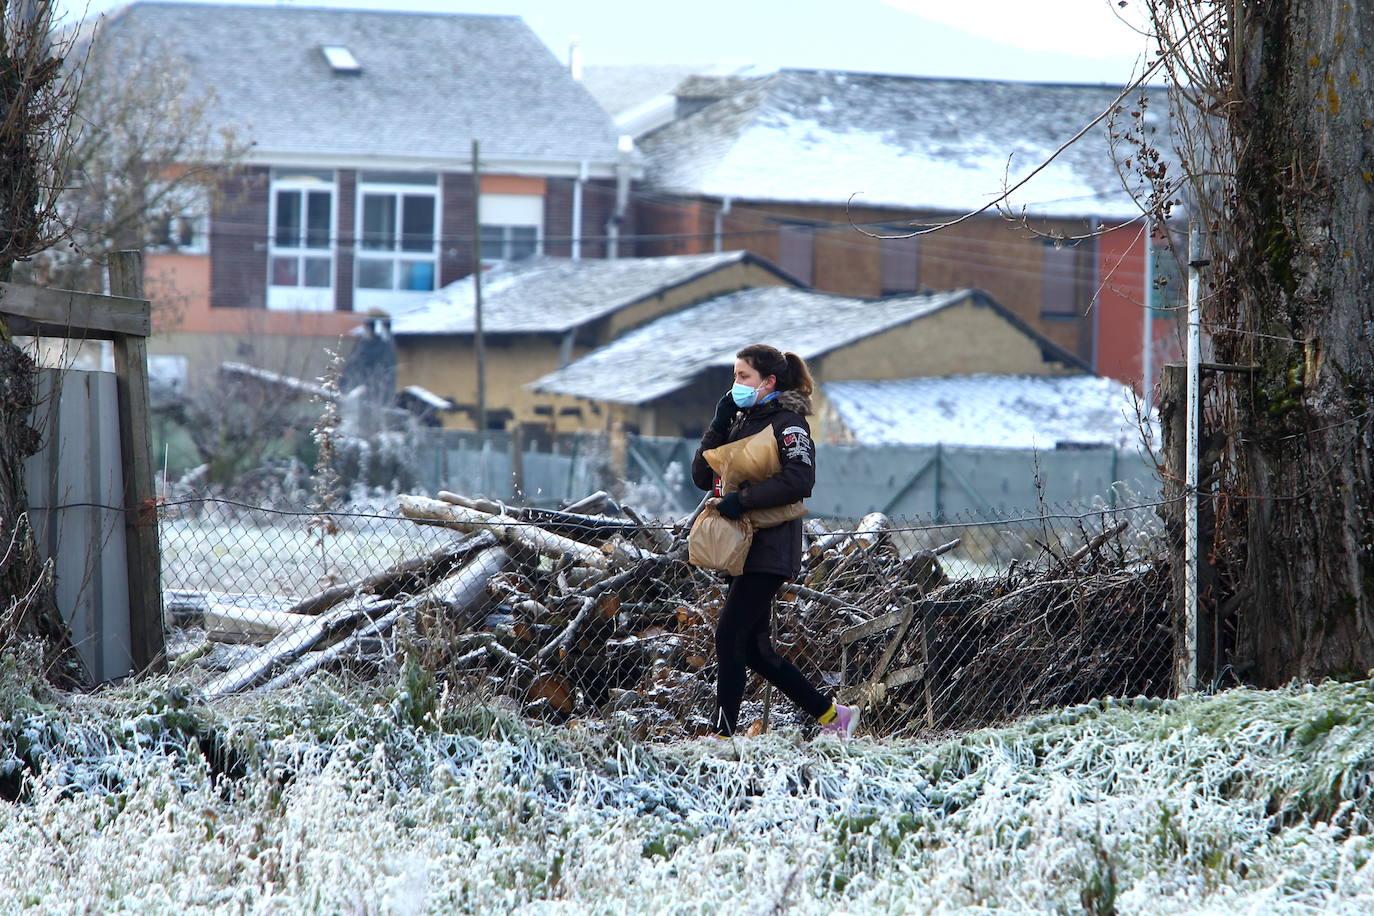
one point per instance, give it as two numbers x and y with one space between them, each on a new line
796 443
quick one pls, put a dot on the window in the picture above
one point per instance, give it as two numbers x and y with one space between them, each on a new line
301 259
900 261
796 248
512 226
397 238
509 243
341 60
179 220
1060 280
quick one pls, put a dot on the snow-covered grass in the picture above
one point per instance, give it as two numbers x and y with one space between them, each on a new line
226 555
406 799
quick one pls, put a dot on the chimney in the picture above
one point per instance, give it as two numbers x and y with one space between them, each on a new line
575 57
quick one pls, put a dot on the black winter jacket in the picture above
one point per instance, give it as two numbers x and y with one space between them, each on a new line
775 550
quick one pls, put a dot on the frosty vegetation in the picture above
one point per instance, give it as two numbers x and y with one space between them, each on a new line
404 799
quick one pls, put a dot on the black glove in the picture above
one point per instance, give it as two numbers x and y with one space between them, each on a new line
726 408
730 505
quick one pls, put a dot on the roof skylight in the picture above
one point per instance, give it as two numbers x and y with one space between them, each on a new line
341 59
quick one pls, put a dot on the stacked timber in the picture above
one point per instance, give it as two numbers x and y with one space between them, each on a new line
583 612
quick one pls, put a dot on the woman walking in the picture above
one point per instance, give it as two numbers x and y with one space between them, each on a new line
771 388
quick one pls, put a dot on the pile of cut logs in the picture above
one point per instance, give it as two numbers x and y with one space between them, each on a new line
587 611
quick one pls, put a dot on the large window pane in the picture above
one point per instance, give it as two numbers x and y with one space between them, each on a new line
493 243
379 222
417 223
374 274
317 272
284 272
524 241
317 227
288 219
417 275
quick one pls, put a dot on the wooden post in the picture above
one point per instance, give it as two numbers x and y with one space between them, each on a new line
517 461
142 553
619 458
1173 421
479 342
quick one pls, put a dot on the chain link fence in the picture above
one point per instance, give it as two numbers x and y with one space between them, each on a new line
592 611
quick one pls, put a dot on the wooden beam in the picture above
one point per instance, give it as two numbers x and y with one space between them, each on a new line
65 313
143 556
870 627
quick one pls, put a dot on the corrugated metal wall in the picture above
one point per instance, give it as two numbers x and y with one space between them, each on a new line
75 487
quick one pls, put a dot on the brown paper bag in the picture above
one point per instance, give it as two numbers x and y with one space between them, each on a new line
750 460
716 542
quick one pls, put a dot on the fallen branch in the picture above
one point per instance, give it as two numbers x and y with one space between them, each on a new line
290 646
314 661
411 574
504 527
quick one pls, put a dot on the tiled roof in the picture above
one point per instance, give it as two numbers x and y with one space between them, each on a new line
668 353
429 82
1002 411
912 142
556 294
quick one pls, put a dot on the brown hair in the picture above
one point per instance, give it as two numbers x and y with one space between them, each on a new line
789 368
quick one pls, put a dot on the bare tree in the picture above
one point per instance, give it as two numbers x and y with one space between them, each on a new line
145 163
1273 104
36 101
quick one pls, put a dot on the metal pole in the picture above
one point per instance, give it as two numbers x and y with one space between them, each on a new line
478 342
1195 264
1147 347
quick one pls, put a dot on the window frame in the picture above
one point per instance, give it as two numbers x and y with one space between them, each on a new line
507 212
299 296
182 206
397 254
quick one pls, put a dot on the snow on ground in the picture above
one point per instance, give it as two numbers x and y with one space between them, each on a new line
404 800
994 411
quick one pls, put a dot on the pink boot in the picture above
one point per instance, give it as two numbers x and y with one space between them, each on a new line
845 721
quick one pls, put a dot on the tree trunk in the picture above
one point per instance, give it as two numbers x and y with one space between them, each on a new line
1298 291
34 115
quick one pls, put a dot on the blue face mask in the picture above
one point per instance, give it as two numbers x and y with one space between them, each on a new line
744 395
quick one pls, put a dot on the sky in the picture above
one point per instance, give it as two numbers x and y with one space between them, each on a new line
1075 41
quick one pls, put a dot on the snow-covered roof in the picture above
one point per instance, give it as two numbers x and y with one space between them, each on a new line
426 83
1001 411
821 136
553 295
277 379
425 396
640 97
670 352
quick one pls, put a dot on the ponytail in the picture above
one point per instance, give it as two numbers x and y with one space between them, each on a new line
788 368
799 376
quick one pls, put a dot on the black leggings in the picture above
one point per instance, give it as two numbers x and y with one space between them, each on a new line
742 638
